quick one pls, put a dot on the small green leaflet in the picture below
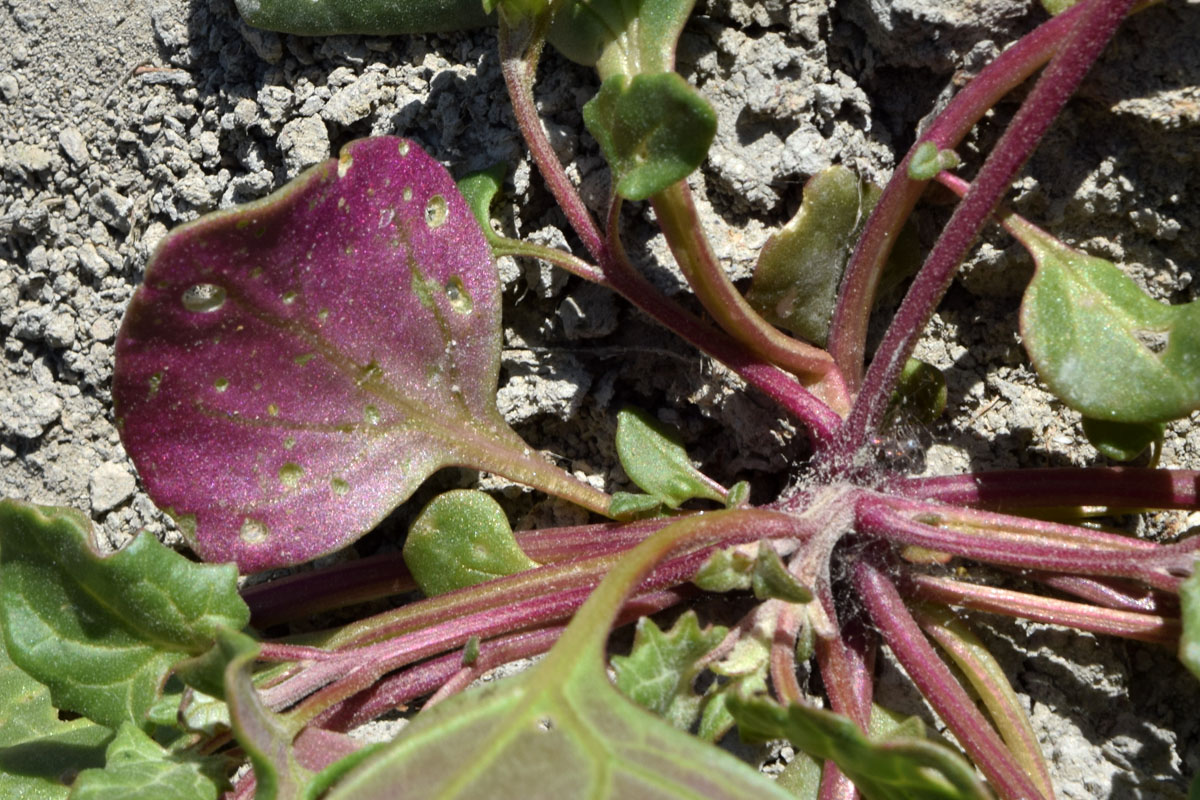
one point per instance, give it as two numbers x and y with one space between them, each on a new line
103 632
1100 343
893 769
139 769
654 130
459 539
654 459
660 670
1124 441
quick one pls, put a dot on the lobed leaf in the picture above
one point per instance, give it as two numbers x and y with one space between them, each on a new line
39 753
380 17
653 458
103 632
138 768
660 670
654 130
1100 343
892 769
292 369
461 538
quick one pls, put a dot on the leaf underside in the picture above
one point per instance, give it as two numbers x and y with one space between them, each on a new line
291 370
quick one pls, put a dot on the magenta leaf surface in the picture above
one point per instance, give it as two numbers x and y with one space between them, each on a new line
292 369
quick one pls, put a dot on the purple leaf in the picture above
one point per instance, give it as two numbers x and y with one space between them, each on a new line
292 369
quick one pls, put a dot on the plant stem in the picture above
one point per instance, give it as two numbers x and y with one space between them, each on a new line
1097 22
1158 567
1082 616
991 684
848 331
1116 488
519 69
680 223
934 680
621 276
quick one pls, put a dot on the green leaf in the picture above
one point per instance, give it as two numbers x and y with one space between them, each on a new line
800 268
771 578
561 730
139 769
265 736
1189 606
928 161
103 632
920 393
191 711
621 37
627 506
660 670
459 539
654 459
893 769
1100 343
479 189
1123 441
39 753
380 17
728 569
654 130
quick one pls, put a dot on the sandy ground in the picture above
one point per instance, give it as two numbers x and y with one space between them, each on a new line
122 118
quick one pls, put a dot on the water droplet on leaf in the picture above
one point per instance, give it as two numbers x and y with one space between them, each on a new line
290 474
460 301
221 384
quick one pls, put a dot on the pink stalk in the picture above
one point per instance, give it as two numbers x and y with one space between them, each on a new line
1097 22
1081 616
935 681
1159 567
1110 593
1011 68
1108 487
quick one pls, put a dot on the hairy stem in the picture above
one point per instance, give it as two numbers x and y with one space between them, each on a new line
1081 616
1096 23
991 684
1114 488
677 215
934 680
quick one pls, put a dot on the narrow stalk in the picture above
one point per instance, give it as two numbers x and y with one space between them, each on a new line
504 246
676 213
991 684
332 681
394 691
621 276
1081 616
847 664
1096 24
1158 567
783 654
519 69
1110 593
1116 488
308 593
513 459
935 681
1011 68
